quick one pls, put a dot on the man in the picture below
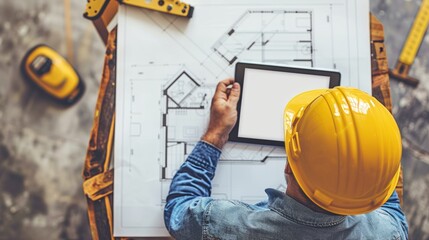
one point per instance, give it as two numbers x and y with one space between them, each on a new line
344 151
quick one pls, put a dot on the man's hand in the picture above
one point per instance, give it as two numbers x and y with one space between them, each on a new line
223 112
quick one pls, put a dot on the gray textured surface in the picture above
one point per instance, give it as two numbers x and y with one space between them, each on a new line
411 110
42 145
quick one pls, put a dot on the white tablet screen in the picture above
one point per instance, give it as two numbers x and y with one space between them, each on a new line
264 96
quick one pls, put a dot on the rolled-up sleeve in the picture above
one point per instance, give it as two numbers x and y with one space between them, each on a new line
190 191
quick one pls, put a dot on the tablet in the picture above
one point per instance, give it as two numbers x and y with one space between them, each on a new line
265 91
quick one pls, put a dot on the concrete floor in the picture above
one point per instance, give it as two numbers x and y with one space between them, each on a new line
42 145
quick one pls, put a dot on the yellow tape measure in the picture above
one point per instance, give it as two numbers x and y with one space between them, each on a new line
412 45
174 7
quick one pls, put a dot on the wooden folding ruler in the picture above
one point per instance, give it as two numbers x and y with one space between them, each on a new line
412 46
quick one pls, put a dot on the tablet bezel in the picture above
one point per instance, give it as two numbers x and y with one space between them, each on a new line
240 68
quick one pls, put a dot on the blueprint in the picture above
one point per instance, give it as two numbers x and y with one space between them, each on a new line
167 70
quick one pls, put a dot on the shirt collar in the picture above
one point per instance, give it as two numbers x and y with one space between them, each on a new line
296 212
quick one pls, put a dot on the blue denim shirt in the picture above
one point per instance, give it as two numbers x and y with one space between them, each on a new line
190 212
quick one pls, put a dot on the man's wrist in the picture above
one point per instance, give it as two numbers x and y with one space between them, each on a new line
217 140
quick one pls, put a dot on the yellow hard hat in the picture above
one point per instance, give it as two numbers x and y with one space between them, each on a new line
344 149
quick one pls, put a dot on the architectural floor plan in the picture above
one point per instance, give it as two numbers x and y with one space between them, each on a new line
168 68
277 36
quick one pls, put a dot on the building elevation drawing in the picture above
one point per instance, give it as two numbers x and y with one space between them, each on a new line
167 71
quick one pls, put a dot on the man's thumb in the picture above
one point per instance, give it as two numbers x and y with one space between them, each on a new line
234 94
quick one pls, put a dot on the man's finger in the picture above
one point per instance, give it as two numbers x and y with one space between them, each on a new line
234 95
222 85
227 81
221 89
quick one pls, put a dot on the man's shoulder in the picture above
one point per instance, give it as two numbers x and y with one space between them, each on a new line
233 219
378 224
239 219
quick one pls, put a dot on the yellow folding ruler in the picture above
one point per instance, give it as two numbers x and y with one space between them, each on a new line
411 46
175 7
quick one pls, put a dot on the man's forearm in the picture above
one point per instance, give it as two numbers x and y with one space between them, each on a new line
195 175
191 186
216 139
193 179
